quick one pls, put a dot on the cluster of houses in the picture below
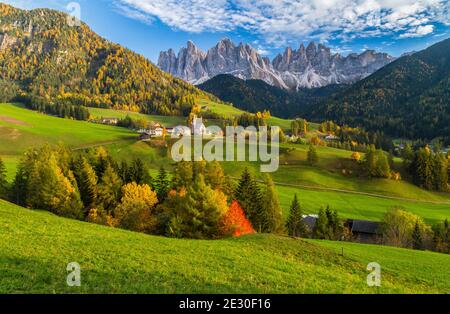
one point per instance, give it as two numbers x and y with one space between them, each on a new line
157 130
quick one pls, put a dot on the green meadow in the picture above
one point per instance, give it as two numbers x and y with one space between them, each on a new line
21 128
36 247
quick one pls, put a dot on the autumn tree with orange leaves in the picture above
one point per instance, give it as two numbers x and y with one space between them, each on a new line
235 223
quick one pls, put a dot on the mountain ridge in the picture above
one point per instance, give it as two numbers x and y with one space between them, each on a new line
308 67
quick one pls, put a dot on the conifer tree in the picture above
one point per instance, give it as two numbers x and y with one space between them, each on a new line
109 189
440 172
321 230
417 237
313 157
139 173
162 184
248 194
195 212
408 156
270 217
3 182
87 183
295 224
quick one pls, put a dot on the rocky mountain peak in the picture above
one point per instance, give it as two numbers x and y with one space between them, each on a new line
311 66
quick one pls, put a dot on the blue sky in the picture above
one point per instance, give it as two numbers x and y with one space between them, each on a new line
149 26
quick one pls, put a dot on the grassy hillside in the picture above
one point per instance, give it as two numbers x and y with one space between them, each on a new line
116 261
21 128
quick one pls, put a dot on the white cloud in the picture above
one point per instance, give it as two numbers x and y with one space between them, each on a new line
279 21
418 31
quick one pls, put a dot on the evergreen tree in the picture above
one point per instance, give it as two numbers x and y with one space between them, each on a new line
162 184
123 172
139 173
87 183
196 212
313 157
408 156
440 172
417 237
321 230
19 186
248 194
3 182
295 224
109 189
270 217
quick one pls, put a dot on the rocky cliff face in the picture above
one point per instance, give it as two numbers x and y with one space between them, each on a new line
311 66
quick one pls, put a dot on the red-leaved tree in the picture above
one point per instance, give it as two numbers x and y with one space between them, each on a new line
235 223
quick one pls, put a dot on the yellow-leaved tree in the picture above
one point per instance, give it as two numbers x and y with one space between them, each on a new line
135 209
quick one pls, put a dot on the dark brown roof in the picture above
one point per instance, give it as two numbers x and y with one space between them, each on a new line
362 226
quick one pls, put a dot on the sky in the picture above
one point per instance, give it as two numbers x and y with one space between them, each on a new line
346 26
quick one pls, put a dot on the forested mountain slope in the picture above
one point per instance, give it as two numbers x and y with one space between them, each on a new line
42 56
257 95
408 98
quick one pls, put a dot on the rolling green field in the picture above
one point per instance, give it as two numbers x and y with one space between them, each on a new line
37 246
21 128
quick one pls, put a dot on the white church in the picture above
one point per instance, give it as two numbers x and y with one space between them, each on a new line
198 127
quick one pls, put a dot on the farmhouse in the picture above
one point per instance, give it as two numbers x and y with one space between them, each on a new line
365 231
109 121
153 130
331 138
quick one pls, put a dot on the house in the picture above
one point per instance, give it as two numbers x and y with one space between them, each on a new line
110 121
153 130
331 138
365 231
145 137
181 131
158 132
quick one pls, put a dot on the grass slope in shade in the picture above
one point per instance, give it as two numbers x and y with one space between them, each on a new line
37 246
